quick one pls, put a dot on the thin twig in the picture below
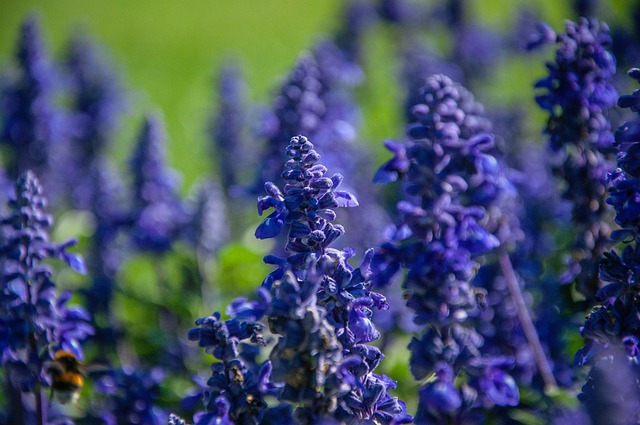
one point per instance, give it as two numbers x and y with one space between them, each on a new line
525 321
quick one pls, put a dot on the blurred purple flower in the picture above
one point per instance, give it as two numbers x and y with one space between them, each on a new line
157 212
577 93
32 125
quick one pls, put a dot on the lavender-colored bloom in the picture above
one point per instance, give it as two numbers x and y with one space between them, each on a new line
297 109
31 124
418 63
132 396
307 356
318 298
358 17
578 93
611 328
208 224
238 384
228 126
97 101
610 393
35 320
105 254
176 420
453 187
157 212
474 48
317 101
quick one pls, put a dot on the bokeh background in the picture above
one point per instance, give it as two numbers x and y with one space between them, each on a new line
168 52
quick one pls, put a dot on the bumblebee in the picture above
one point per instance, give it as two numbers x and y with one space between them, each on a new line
67 376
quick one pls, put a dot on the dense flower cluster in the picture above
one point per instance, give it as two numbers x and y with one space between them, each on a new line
97 102
577 93
452 179
344 299
32 126
130 396
227 127
611 329
35 321
157 213
317 305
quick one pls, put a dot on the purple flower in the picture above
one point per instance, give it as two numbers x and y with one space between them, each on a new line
176 420
321 307
612 327
208 227
238 384
32 126
157 212
577 93
453 184
35 321
227 128
97 102
298 108
440 396
132 396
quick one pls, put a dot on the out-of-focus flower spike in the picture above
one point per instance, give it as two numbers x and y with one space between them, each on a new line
578 94
97 102
611 326
32 125
157 212
228 128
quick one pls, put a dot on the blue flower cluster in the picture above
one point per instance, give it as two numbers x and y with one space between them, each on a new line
452 180
227 127
316 304
611 329
578 93
157 213
32 126
35 321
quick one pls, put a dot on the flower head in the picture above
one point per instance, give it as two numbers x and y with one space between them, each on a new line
32 126
454 183
158 213
35 320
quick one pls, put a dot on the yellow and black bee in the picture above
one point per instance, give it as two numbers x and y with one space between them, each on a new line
67 376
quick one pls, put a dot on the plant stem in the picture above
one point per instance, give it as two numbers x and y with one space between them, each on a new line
40 405
525 321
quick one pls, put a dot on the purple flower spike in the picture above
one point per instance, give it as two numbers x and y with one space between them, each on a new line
32 125
612 327
455 184
97 103
577 93
158 214
35 321
317 306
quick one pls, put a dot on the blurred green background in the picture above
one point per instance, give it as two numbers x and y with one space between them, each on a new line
167 53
